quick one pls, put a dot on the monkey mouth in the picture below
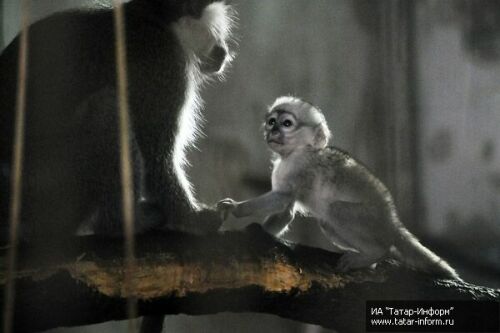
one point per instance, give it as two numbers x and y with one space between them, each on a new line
274 141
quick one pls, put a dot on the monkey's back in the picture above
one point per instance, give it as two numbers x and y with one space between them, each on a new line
71 142
350 179
353 172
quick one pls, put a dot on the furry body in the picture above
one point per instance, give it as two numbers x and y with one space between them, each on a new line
354 208
71 155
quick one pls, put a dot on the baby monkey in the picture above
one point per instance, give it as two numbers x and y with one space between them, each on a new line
354 209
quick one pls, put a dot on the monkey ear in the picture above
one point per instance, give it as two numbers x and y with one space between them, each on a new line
321 136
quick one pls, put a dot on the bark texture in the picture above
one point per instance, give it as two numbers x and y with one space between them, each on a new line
243 271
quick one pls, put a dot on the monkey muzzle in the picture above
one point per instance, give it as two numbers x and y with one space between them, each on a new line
214 61
274 136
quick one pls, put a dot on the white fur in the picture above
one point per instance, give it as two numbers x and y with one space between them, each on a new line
305 113
308 175
197 38
315 199
187 132
303 110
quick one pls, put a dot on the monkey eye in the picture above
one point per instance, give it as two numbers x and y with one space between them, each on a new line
271 121
287 123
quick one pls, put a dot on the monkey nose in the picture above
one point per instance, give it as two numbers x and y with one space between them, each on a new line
275 133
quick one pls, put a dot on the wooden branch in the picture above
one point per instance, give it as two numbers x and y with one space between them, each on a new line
234 271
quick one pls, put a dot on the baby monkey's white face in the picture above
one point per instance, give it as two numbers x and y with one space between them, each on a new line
288 126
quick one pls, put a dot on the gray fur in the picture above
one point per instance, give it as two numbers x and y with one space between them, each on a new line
353 207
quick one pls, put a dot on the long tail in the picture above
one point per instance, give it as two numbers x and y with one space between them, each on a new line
418 256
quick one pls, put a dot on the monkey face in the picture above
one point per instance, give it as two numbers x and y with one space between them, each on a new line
292 123
204 35
284 132
278 123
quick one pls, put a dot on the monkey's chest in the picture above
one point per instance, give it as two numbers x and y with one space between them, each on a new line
289 176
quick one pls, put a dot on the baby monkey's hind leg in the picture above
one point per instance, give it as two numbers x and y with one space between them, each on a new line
362 227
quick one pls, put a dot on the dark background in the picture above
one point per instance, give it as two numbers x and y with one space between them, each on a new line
410 87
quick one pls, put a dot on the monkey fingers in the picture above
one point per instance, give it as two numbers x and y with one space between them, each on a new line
225 207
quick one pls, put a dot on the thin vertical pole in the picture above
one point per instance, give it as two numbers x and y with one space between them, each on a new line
125 159
17 170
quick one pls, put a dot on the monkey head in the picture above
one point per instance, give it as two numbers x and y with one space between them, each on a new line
292 123
204 34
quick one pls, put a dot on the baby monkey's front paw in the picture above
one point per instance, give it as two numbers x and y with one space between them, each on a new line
225 207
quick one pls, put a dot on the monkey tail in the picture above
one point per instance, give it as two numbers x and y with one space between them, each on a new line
418 256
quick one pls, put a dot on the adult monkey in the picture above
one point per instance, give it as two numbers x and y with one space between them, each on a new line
71 155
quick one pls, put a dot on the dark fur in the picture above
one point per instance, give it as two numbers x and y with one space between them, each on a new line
71 157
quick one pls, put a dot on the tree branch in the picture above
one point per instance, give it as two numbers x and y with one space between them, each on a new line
233 271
